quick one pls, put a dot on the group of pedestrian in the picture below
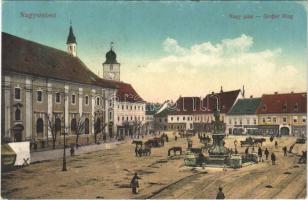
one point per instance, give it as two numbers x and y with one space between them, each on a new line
260 154
266 153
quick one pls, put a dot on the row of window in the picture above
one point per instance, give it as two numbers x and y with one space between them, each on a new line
74 126
130 118
131 107
284 107
197 118
240 121
284 119
39 97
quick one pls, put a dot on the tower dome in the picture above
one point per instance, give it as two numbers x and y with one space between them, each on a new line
111 57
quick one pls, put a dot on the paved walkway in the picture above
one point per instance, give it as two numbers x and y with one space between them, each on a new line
58 153
54 154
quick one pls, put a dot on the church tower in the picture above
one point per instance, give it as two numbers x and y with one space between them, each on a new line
111 68
71 43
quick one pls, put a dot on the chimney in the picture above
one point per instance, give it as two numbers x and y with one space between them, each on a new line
276 93
221 91
251 96
292 92
212 92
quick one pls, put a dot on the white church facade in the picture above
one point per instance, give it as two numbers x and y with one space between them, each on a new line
41 83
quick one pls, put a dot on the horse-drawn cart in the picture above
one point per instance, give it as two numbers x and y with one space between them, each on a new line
252 141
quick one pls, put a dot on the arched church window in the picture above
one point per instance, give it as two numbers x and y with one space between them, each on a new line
17 115
86 126
58 125
74 126
39 127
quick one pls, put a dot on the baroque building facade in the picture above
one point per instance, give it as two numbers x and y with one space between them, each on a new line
283 114
128 113
42 85
242 118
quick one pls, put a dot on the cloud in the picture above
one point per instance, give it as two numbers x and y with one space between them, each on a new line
172 46
204 67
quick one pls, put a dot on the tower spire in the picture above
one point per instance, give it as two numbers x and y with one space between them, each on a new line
71 41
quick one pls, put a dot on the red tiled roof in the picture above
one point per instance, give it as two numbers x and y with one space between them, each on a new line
194 105
186 106
27 57
283 103
126 93
225 101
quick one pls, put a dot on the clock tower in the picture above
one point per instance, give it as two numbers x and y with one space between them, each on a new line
111 68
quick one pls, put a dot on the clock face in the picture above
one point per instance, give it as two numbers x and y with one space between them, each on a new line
111 75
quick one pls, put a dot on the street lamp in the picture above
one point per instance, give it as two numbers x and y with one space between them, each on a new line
64 153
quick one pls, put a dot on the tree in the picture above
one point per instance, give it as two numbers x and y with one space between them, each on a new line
98 128
52 128
80 128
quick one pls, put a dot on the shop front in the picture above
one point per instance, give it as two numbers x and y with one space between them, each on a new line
269 130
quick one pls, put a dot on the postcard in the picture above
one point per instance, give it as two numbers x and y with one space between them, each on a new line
154 99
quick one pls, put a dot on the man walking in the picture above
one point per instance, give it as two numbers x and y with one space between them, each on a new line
284 151
235 143
220 194
136 150
276 144
273 158
291 148
266 152
135 183
247 151
260 154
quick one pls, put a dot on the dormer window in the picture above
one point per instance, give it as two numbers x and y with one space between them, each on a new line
284 107
264 107
296 107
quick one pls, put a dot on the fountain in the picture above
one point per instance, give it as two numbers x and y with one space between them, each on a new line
218 153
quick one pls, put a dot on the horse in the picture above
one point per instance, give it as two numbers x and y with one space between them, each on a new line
155 142
146 151
249 141
259 141
175 149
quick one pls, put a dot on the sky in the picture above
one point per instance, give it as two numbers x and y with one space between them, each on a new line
183 48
